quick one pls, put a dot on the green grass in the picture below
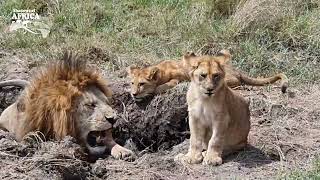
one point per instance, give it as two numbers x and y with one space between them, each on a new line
313 174
143 30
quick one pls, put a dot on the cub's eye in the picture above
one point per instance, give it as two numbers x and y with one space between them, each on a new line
203 75
141 84
216 76
132 83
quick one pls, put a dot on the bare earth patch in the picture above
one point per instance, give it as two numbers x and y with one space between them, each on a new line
284 135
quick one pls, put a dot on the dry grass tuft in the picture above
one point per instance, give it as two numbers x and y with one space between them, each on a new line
259 14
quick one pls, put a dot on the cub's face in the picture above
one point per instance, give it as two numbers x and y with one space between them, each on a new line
207 72
208 76
143 82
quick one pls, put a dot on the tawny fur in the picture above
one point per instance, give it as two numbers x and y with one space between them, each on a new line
235 77
66 98
155 79
218 117
167 74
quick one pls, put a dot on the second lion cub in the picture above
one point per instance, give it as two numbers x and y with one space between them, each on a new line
218 117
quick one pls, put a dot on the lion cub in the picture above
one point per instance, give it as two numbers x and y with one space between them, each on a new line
146 82
149 81
218 117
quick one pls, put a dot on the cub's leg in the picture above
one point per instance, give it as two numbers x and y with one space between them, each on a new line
207 138
213 155
197 133
164 87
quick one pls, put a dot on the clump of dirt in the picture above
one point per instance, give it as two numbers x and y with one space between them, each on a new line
158 124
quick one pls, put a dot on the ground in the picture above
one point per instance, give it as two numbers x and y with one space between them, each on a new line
284 136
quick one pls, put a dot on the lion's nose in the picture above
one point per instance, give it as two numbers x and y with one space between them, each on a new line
111 120
134 94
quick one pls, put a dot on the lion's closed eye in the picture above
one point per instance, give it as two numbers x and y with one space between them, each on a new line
90 105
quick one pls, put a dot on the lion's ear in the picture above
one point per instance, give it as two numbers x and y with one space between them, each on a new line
224 57
153 73
131 69
21 106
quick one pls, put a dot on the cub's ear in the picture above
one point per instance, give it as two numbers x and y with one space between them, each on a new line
189 54
131 69
153 73
224 57
190 61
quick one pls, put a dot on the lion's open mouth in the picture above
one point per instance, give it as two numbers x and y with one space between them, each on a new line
96 138
96 143
209 93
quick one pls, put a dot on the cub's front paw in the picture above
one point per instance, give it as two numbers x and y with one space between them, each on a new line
189 158
212 160
119 152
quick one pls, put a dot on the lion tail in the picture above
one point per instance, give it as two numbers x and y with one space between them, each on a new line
269 80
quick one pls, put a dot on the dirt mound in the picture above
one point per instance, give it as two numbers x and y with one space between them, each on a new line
158 124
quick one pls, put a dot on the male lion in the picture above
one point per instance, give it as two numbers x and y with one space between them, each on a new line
152 80
65 98
218 117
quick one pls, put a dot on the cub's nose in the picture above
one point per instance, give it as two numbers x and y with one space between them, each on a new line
134 94
210 89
